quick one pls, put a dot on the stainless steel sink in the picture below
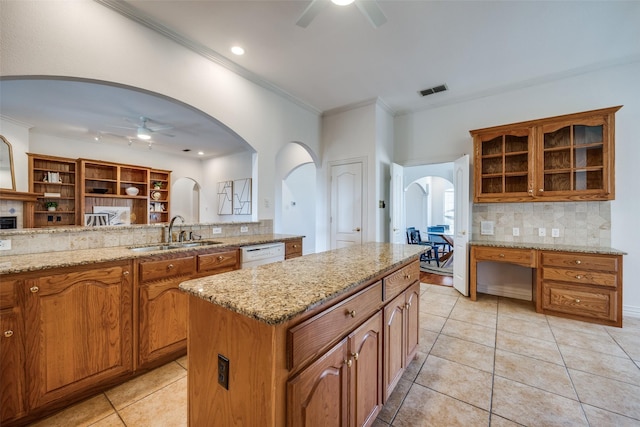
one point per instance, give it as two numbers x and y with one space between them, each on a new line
173 246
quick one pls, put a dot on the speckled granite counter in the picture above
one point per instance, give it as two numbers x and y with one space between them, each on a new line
549 247
41 261
276 292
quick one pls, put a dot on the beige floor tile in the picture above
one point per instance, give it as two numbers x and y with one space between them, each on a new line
600 417
426 340
576 325
431 322
414 367
498 421
527 346
137 388
424 407
82 414
437 304
631 323
112 420
605 365
165 407
534 407
629 340
518 308
468 314
467 384
588 341
444 290
391 406
605 393
534 328
535 373
464 352
183 361
471 332
484 302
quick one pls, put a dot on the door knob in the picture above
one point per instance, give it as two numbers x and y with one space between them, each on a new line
357 229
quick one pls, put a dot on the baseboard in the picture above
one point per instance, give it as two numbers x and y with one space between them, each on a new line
506 291
630 311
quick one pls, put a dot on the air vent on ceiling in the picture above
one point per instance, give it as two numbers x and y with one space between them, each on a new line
433 90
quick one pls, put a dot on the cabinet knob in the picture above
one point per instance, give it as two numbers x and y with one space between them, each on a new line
407 276
578 276
352 313
295 246
501 255
541 190
578 262
407 305
355 356
8 334
220 258
125 273
348 362
531 191
577 300
170 266
34 289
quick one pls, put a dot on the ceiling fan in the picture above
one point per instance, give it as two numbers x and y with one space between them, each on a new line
369 8
144 131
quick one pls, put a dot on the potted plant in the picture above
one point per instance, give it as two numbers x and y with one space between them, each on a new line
157 185
51 206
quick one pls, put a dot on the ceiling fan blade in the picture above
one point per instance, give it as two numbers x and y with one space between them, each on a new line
310 12
372 11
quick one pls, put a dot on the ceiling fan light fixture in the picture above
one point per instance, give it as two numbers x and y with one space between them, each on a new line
342 2
237 50
143 133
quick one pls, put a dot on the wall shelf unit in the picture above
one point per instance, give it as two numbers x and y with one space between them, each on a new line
159 195
54 179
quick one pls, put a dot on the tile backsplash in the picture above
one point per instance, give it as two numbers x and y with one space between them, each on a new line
579 223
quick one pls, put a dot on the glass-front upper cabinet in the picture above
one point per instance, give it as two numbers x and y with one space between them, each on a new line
555 159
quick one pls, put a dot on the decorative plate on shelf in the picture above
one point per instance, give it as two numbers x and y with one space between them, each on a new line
156 195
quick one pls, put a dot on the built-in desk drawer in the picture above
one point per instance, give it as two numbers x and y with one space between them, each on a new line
307 339
397 282
576 300
580 276
581 261
167 268
523 257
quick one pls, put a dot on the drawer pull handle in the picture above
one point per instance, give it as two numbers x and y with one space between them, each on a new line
220 258
348 362
578 300
351 313
407 276
578 276
170 267
541 190
8 334
501 255
125 273
578 262
34 289
355 356
295 246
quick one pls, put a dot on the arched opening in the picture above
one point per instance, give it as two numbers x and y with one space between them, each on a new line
185 195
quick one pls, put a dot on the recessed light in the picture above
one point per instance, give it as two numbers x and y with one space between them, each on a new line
342 2
200 153
237 50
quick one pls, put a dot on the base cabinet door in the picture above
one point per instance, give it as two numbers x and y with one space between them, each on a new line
12 374
317 396
78 330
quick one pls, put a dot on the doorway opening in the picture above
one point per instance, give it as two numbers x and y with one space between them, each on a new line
185 195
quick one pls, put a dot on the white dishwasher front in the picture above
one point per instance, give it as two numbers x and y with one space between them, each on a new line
252 256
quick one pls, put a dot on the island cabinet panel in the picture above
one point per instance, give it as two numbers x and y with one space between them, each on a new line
78 330
293 248
12 374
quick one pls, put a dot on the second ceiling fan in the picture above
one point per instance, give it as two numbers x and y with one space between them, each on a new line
369 8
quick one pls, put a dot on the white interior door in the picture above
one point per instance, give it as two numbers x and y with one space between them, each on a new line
397 205
462 223
346 205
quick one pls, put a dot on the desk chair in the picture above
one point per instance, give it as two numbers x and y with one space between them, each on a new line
413 238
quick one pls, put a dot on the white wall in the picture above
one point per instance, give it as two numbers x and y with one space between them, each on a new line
185 199
299 205
87 40
236 166
445 130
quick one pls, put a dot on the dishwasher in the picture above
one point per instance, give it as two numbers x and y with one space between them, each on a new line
252 256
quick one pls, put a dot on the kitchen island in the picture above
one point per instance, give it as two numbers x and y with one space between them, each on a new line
319 339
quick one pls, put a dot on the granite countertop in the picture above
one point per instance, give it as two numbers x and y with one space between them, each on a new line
549 247
40 261
275 293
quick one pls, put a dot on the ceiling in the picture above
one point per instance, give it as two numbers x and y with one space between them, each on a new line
477 48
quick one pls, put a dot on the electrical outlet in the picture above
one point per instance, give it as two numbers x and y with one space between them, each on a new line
244 229
216 230
223 371
516 231
5 245
555 232
542 232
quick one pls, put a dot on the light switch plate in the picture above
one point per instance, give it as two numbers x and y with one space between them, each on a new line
555 232
5 245
516 231
216 230
542 232
486 228
244 229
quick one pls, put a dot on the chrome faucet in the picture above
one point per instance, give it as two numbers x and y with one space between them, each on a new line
170 239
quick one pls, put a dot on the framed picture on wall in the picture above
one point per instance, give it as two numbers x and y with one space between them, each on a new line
242 196
96 220
225 198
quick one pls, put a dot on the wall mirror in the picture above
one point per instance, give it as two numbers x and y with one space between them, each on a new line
7 177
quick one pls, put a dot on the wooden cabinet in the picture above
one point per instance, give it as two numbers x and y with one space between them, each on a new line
160 195
342 387
560 158
401 335
293 248
12 354
103 186
78 330
581 286
55 179
162 307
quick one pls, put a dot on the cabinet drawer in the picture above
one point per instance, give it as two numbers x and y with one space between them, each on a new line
580 301
166 268
308 338
580 261
218 261
523 257
400 280
580 276
293 248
